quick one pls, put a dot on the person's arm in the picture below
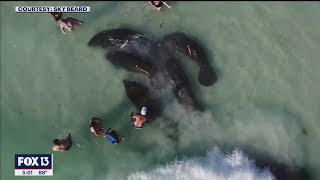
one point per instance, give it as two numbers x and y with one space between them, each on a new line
166 4
108 130
62 29
94 131
103 134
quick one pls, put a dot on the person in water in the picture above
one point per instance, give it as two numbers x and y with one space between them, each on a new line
111 135
62 144
96 127
56 15
69 24
157 5
139 119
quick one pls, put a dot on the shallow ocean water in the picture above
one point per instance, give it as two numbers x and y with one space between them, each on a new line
266 100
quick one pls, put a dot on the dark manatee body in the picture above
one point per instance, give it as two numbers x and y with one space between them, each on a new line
130 62
140 96
182 88
122 39
134 63
185 45
130 50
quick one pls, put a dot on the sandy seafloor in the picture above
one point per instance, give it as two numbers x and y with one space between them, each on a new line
266 100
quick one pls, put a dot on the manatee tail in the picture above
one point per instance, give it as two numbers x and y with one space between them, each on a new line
207 76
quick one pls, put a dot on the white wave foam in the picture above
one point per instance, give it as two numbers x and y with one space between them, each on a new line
215 166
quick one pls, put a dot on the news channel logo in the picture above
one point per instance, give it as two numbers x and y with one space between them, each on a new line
33 165
47 9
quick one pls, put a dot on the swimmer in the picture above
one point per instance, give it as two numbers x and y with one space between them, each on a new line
157 5
62 144
56 15
113 137
69 24
96 126
97 129
139 119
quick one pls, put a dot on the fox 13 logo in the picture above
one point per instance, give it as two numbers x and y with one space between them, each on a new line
33 164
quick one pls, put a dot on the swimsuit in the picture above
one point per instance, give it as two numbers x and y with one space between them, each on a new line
139 127
68 25
157 5
112 137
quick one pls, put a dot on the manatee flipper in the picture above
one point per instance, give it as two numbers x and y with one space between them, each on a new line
187 46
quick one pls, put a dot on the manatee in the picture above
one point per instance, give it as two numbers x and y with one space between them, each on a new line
130 62
122 39
187 46
130 50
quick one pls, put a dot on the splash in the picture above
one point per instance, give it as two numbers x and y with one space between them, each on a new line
215 165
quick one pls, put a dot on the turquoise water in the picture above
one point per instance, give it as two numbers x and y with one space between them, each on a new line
266 100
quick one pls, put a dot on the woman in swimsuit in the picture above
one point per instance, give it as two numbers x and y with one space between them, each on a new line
157 5
69 24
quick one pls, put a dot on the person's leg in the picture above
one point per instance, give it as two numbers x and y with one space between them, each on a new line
121 139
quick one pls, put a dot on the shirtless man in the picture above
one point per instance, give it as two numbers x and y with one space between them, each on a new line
62 144
139 119
69 24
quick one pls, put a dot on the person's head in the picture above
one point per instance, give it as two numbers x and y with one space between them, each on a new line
56 142
95 122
